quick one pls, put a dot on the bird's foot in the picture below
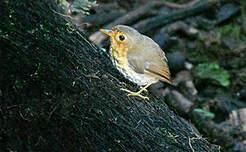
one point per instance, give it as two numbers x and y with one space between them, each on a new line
130 93
143 89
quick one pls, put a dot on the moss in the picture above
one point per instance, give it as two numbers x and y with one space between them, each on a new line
214 72
232 30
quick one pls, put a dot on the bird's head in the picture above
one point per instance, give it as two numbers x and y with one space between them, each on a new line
122 37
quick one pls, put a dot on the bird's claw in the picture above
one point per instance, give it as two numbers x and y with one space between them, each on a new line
130 93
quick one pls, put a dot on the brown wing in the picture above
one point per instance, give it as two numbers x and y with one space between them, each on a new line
160 72
148 58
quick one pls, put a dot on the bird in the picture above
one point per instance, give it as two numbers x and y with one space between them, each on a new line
138 58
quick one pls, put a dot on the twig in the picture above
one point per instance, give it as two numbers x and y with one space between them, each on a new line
160 20
180 102
63 15
192 149
94 75
23 117
179 6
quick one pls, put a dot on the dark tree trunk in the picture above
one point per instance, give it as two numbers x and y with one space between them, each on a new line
59 92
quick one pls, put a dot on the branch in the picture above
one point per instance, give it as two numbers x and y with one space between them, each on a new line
161 20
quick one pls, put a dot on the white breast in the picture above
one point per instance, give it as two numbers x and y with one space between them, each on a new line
140 79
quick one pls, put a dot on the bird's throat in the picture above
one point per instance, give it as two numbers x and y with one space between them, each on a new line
119 57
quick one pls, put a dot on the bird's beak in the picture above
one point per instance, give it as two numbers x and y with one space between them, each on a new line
106 31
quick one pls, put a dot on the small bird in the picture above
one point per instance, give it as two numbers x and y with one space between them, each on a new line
137 57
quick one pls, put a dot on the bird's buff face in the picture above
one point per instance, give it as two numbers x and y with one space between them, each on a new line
120 42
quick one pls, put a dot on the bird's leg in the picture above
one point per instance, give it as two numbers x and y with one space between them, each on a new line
130 93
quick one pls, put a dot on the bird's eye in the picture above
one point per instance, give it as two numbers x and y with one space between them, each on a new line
121 37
